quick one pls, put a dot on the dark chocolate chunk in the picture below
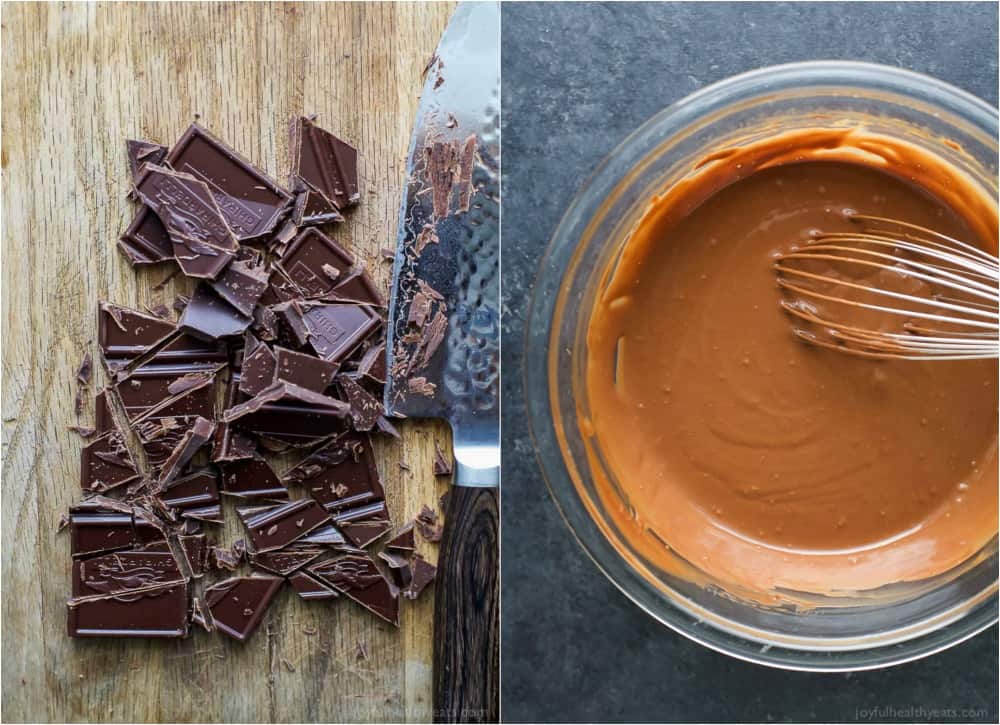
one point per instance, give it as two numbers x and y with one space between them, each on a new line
279 289
103 421
195 552
306 371
423 574
106 464
285 561
202 241
241 284
124 572
403 541
146 240
324 162
238 604
250 201
161 611
98 526
196 490
315 263
427 523
372 363
289 413
357 576
146 395
327 535
365 407
442 466
341 475
143 152
364 524
357 286
310 588
148 527
275 527
194 438
335 330
210 317
230 444
124 334
316 209
259 362
252 478
399 568
292 330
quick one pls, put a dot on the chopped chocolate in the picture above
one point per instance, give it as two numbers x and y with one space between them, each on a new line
384 426
241 284
289 413
148 527
399 568
86 369
364 524
195 552
123 572
423 574
106 464
194 490
356 576
317 209
210 317
419 384
291 331
372 363
238 604
124 334
97 527
427 523
274 527
306 371
258 367
310 588
146 240
143 152
285 561
324 162
403 541
103 422
146 395
307 260
194 438
335 330
251 202
357 286
365 407
201 615
203 243
252 478
442 466
82 430
158 611
327 535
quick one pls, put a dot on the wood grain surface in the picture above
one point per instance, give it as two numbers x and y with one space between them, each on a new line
77 80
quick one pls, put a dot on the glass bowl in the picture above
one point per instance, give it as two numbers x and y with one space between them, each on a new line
921 617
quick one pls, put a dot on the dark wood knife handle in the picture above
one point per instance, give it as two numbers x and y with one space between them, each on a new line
467 610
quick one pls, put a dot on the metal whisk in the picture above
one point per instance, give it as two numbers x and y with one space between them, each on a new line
893 290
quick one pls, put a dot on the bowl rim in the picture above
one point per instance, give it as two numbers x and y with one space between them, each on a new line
747 85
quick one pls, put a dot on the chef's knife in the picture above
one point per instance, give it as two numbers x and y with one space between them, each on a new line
443 342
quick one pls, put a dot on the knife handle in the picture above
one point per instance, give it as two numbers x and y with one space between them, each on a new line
467 610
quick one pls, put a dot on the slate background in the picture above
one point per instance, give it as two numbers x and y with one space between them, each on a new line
577 79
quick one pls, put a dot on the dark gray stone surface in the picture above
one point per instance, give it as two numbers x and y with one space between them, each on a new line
576 80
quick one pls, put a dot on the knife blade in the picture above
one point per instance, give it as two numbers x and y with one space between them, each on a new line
443 341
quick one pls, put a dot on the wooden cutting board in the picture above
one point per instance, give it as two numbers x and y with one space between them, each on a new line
77 80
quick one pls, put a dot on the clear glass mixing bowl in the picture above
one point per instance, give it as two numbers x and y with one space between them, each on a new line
923 617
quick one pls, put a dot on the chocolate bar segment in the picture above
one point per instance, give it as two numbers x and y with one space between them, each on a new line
194 490
124 573
275 527
356 576
289 413
335 330
124 334
161 611
250 201
306 371
98 526
146 240
259 363
241 284
310 588
238 604
315 263
252 478
325 163
285 561
210 317
143 152
106 464
194 438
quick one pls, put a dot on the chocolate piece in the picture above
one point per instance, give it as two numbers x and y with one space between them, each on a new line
201 615
258 367
241 284
292 330
324 162
274 527
161 611
124 334
315 263
335 330
195 552
143 152
84 372
357 286
202 241
306 371
252 478
423 574
341 475
403 541
146 240
238 604
146 395
284 561
357 576
442 466
106 464
279 289
231 444
210 317
399 568
290 414
100 526
317 209
194 491
365 407
224 558
426 523
250 201
194 438
148 528
124 572
364 524
372 363
310 588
